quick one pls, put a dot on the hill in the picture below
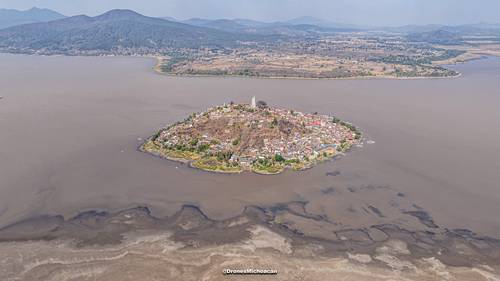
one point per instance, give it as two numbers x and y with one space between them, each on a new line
237 137
220 24
479 29
10 17
439 36
116 31
308 20
295 27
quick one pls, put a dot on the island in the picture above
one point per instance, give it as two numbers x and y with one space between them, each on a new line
233 138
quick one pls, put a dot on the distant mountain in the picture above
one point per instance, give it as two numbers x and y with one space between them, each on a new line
237 22
220 24
228 25
251 23
452 35
117 31
412 28
477 29
197 21
442 37
465 29
169 18
307 20
9 17
486 25
289 28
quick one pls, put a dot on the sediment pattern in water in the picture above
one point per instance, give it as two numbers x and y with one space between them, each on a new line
189 245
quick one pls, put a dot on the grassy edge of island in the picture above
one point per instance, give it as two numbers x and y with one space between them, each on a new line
266 166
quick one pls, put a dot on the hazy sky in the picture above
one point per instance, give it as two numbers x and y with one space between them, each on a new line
367 12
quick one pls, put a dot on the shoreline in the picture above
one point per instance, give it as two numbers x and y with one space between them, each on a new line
157 58
156 68
189 163
333 137
182 161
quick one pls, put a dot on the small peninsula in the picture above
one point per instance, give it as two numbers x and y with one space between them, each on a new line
252 137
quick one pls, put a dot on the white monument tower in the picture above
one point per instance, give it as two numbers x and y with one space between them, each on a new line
253 104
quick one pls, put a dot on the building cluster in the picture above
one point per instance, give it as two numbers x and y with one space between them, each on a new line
251 132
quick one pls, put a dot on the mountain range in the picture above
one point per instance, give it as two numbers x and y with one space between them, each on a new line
465 29
127 32
321 25
294 27
113 31
10 17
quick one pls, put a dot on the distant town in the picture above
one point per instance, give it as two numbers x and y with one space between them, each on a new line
343 55
299 48
253 137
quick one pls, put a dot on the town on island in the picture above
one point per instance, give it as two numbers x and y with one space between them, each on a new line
233 138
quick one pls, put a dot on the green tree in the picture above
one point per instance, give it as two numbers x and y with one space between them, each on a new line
279 158
274 123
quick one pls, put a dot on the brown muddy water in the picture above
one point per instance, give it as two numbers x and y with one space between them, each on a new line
70 128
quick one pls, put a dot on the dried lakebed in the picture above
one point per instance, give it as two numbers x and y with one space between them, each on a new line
191 246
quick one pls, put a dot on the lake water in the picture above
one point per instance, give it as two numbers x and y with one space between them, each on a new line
70 128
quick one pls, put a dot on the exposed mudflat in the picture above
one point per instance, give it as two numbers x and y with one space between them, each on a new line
132 244
418 199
